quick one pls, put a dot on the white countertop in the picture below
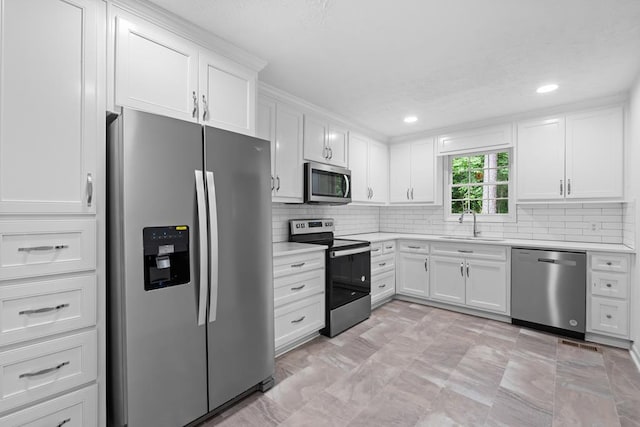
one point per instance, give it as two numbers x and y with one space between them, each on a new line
292 248
542 244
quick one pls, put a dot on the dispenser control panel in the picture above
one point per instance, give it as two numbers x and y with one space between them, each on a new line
166 256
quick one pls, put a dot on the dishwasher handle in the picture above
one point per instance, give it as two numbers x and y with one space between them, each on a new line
568 263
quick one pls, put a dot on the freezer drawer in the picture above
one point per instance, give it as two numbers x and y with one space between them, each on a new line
548 289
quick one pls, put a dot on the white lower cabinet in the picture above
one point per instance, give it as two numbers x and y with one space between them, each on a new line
383 271
299 297
447 279
608 299
413 269
76 409
41 370
487 283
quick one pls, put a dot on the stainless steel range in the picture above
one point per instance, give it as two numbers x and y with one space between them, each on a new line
348 273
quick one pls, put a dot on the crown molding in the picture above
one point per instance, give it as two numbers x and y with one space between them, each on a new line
171 22
280 95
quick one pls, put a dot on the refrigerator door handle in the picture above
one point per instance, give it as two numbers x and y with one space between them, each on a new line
202 233
213 252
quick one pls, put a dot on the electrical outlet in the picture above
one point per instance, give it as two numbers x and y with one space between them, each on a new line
594 226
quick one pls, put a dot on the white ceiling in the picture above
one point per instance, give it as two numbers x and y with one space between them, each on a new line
445 61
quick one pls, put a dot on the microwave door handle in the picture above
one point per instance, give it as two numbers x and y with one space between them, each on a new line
213 249
346 181
202 234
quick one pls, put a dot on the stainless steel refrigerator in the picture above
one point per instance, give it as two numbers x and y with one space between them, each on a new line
190 297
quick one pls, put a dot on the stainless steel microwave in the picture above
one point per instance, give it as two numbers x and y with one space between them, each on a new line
324 184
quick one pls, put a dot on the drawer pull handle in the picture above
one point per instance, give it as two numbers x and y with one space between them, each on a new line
608 316
382 286
299 320
413 247
298 265
465 251
297 288
388 247
375 250
609 263
382 264
44 371
63 422
42 248
609 285
43 310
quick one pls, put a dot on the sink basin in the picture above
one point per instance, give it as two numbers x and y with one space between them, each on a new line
473 239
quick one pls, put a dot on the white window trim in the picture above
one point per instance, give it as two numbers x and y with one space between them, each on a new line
489 218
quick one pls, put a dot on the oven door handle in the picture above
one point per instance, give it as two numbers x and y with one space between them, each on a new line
336 254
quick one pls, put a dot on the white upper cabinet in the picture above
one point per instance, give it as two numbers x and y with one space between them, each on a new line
369 165
227 94
160 72
471 141
577 157
325 142
48 106
156 71
415 173
540 165
282 125
595 154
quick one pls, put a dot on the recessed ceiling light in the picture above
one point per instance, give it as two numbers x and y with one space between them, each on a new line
547 88
410 119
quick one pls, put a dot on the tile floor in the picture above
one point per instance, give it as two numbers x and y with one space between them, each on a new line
412 365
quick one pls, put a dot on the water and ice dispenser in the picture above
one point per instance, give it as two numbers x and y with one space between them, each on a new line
166 256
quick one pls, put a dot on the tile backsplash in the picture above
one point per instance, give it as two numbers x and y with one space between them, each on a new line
349 219
588 222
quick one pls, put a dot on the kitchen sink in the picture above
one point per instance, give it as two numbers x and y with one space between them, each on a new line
473 239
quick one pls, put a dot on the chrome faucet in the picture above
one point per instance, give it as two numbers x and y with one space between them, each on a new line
476 233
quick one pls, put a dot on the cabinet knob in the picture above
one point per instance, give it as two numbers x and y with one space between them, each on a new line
609 263
382 286
608 285
608 316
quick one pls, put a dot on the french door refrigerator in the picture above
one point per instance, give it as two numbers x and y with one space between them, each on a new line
190 298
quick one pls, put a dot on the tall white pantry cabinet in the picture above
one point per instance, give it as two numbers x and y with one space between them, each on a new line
52 282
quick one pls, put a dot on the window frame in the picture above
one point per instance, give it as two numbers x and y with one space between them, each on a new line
497 218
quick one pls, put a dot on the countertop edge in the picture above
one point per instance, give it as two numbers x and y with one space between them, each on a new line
293 248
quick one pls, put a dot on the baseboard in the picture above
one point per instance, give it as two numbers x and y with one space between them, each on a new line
635 355
297 343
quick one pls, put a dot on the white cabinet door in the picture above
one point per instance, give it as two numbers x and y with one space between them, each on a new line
289 163
540 160
359 166
413 275
315 139
156 71
423 171
378 171
486 285
338 143
48 106
447 279
594 154
227 94
266 129
399 173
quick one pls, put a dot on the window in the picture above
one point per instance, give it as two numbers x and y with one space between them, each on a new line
480 182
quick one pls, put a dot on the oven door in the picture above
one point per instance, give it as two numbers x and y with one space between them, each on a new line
326 184
349 276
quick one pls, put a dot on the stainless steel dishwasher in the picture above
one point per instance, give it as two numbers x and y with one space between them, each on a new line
548 290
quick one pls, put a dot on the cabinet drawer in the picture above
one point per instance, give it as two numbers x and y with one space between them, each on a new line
36 248
389 246
610 262
77 409
470 250
376 249
42 308
291 264
383 284
41 370
298 319
298 286
607 284
382 264
610 316
419 247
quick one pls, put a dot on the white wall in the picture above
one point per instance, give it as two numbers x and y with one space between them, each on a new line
633 194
